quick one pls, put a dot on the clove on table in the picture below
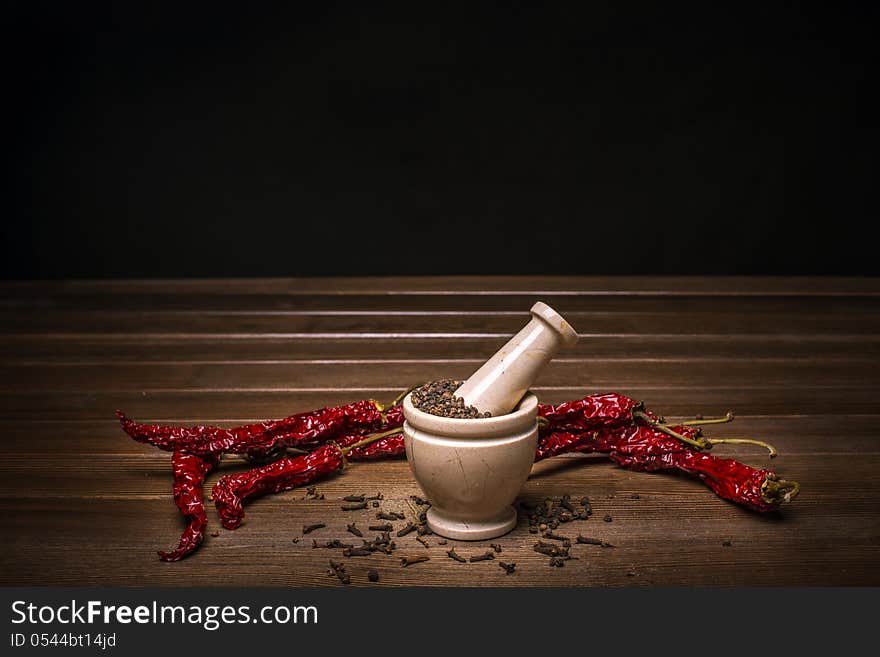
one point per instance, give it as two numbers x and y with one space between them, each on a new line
508 568
338 569
454 555
586 540
384 527
422 540
354 506
389 515
357 552
406 530
496 547
486 556
308 529
353 529
409 561
353 498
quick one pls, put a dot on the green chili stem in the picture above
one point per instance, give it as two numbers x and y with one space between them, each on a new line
714 420
699 444
373 437
746 441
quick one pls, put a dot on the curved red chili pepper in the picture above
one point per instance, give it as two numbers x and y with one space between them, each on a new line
189 475
231 491
302 429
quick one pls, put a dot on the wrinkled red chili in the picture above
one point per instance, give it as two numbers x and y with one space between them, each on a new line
189 476
259 439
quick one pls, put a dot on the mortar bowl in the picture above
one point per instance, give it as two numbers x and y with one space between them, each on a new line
471 470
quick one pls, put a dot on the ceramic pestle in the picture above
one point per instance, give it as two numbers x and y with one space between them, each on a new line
499 385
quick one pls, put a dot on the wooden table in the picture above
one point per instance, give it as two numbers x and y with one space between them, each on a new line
798 360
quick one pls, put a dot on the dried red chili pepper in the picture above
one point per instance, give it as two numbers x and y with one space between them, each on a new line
259 439
231 491
591 413
189 475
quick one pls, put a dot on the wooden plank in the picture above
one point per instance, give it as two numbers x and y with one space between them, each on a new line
793 546
64 475
39 349
231 303
74 322
468 285
672 399
587 373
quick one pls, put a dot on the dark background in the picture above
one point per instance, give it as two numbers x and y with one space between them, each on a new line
619 138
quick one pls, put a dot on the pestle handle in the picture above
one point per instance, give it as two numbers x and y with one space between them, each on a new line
500 383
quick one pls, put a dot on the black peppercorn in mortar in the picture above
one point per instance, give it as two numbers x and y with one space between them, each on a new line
438 398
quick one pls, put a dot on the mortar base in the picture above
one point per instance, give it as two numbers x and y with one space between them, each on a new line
471 531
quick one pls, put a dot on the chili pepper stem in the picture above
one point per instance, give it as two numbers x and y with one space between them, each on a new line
699 444
776 490
373 437
728 417
745 441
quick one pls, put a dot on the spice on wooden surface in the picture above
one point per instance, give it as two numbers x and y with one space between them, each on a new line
354 506
409 561
438 398
357 552
308 529
486 556
586 540
353 498
384 527
608 518
727 544
423 541
508 568
389 515
338 569
406 530
442 541
454 555
373 575
496 547
353 529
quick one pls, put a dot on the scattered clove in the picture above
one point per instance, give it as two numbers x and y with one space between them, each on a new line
423 541
423 529
585 540
377 496
308 529
389 515
353 498
295 540
409 561
406 530
509 568
607 518
557 562
442 541
352 529
565 502
486 556
454 555
373 575
553 536
312 494
418 500
357 552
496 547
354 506
338 569
384 527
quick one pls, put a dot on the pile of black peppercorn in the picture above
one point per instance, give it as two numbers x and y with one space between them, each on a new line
438 398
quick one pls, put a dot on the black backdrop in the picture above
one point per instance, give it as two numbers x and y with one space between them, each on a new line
621 138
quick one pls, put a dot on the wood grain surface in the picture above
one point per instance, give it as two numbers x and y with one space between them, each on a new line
798 360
